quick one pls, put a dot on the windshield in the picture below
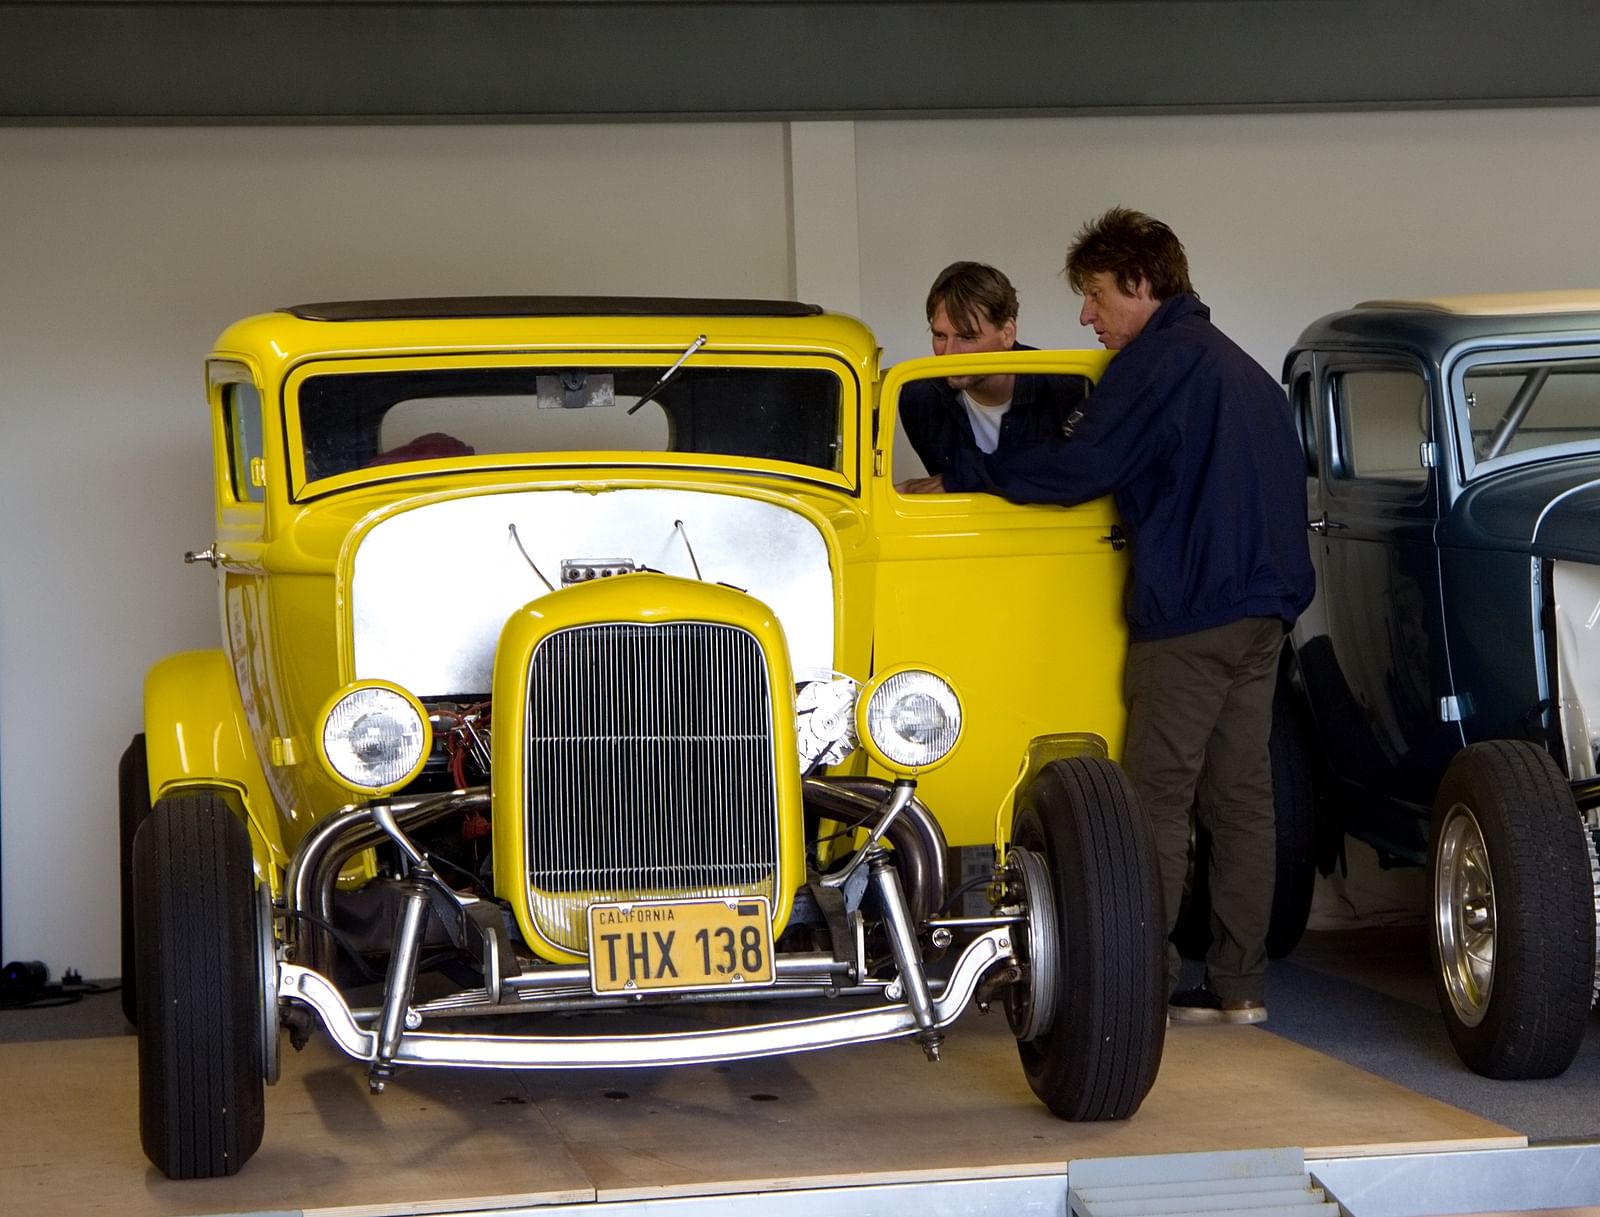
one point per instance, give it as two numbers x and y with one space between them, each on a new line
1531 407
361 420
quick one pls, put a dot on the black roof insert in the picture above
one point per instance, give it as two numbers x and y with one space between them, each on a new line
467 307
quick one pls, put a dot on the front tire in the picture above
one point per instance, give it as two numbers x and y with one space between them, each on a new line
1513 911
1094 1053
200 995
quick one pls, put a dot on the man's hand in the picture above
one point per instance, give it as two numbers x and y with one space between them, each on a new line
929 485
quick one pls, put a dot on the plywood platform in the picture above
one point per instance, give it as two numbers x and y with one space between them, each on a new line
446 1140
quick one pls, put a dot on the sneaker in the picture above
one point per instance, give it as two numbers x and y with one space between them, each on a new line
1201 1005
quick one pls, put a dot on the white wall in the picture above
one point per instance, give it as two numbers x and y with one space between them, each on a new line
124 251
1285 217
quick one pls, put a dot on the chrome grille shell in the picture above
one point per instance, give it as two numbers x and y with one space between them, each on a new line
649 769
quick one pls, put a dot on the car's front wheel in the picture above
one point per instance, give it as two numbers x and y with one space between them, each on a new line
203 1013
1513 911
1090 1010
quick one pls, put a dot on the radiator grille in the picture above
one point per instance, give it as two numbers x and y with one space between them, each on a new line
649 769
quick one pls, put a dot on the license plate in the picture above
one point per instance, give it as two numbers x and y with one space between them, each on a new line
663 945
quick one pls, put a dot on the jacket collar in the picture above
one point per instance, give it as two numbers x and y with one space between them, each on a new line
1174 309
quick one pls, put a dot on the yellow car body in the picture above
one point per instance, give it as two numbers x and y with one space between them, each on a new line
550 552
1019 605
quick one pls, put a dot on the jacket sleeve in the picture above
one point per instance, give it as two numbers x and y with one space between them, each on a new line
1121 431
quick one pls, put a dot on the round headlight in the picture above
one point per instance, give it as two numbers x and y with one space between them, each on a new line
375 737
910 718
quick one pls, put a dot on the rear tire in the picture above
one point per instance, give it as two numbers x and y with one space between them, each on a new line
200 1000
1098 1056
1294 809
1513 911
1294 806
133 806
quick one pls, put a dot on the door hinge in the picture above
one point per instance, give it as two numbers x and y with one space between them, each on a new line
1454 709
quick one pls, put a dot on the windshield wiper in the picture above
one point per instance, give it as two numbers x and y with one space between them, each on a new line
668 374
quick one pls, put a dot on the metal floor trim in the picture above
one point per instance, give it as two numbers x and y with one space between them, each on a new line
1366 1184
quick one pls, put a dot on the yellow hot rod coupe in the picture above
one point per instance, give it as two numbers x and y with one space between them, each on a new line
580 653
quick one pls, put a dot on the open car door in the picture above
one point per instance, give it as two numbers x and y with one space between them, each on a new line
1019 606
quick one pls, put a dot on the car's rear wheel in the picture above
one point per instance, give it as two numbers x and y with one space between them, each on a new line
202 1008
133 805
1090 1009
1513 911
1295 826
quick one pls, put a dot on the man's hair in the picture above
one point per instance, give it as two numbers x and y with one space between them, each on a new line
1130 246
971 289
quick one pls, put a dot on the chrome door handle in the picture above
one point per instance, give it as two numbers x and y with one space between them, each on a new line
210 554
1322 524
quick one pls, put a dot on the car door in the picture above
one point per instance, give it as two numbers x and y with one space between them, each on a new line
1020 607
1373 649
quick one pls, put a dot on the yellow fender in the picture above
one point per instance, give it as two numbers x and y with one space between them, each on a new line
1042 749
196 735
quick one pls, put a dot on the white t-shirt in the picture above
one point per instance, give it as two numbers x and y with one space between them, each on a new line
985 421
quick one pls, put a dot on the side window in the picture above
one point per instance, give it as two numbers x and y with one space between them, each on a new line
241 405
1382 421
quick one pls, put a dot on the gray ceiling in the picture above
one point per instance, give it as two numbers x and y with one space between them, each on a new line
240 61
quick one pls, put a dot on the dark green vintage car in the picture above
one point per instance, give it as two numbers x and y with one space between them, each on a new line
1451 661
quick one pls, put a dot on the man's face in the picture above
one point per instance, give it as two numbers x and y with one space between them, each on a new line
973 335
1117 316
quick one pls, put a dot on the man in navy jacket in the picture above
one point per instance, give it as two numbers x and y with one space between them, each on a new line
973 308
1194 442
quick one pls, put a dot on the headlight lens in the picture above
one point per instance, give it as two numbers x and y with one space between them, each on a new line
912 717
375 737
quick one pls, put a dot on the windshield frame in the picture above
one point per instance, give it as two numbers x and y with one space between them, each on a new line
305 488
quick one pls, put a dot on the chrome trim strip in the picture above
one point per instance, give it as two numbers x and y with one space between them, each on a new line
638 1051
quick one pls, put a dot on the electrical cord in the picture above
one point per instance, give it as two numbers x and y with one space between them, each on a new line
343 942
26 986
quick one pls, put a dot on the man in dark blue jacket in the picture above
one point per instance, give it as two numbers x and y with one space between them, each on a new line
972 308
1194 442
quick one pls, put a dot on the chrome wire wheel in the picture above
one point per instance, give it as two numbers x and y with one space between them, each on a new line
1463 915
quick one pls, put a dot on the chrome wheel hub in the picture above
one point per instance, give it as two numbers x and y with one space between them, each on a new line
267 961
1031 1002
1463 915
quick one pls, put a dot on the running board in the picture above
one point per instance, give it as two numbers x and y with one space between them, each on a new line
301 984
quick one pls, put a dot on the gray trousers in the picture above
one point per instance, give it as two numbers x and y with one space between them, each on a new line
1199 721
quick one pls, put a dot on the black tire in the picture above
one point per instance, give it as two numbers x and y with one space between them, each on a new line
133 805
1099 1056
1513 911
1294 809
1295 824
201 1085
